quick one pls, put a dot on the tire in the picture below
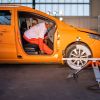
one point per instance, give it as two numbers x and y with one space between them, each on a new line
77 50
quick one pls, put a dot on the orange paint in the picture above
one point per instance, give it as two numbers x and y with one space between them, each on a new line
11 49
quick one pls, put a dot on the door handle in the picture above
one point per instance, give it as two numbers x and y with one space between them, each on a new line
19 56
1 33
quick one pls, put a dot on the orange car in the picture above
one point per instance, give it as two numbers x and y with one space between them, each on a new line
65 40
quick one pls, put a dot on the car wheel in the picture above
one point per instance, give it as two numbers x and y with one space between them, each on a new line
77 50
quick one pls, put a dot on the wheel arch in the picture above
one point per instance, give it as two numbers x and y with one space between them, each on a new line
77 42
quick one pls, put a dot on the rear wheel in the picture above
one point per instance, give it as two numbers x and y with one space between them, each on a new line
77 50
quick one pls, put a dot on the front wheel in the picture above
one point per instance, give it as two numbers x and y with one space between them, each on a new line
77 50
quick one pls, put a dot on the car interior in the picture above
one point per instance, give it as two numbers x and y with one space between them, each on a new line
26 21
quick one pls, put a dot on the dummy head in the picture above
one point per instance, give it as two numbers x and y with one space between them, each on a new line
35 21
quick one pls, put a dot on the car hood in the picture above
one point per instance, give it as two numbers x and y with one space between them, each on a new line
67 26
86 30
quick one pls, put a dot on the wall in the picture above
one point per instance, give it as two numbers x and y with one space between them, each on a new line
95 7
83 22
90 22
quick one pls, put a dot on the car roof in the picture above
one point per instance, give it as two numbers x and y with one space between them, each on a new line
21 7
12 6
18 6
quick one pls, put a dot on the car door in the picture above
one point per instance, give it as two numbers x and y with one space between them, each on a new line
7 35
21 54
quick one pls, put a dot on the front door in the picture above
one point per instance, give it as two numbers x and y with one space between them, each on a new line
30 51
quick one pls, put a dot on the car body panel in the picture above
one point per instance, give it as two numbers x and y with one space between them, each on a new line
12 51
7 40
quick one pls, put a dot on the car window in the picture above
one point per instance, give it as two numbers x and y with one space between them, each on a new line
5 17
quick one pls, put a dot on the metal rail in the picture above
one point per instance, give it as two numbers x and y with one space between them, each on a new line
89 59
95 66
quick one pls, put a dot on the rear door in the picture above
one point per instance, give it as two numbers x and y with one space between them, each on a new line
7 35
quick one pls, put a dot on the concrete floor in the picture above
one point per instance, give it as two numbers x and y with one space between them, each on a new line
44 82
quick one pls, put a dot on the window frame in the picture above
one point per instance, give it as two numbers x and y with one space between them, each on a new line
38 16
